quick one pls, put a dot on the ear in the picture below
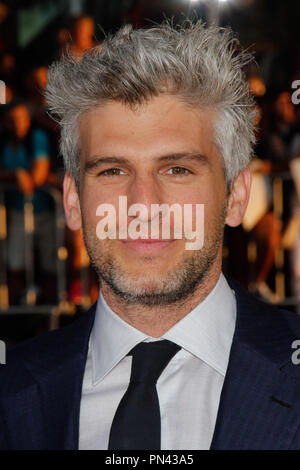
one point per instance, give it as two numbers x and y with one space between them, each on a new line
71 203
239 197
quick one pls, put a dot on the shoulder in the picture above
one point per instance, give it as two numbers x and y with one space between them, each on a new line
41 354
41 344
262 310
264 328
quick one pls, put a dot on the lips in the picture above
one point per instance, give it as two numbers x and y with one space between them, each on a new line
147 245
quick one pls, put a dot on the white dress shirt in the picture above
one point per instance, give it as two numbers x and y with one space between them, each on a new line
189 388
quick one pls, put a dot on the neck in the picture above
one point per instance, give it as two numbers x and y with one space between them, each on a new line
157 320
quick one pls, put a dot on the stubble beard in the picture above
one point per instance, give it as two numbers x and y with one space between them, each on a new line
156 290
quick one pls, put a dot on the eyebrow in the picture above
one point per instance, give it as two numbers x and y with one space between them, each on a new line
97 162
198 157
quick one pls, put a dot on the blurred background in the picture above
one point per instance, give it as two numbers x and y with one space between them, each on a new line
45 276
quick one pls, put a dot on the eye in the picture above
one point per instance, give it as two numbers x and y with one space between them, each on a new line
178 170
111 172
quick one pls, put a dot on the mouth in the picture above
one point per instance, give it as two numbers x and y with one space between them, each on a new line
147 245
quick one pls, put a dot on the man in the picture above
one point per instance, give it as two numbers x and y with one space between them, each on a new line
158 116
25 160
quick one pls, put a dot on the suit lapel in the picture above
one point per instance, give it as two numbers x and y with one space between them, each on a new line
260 400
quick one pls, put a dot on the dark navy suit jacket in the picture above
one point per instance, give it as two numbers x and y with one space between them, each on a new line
40 385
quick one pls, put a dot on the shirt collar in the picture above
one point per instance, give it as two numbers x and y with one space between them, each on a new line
206 332
111 339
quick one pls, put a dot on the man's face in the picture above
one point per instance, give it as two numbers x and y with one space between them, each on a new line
20 121
148 155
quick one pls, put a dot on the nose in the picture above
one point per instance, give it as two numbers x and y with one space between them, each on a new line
144 191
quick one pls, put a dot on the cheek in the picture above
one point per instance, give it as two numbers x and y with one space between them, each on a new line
89 204
213 210
92 198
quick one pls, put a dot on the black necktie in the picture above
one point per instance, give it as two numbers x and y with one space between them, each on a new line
136 424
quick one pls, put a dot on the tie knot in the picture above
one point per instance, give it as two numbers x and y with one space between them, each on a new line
150 359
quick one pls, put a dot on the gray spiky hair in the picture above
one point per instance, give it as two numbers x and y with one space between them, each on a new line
202 65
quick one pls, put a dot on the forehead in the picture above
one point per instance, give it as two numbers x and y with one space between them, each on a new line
162 125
